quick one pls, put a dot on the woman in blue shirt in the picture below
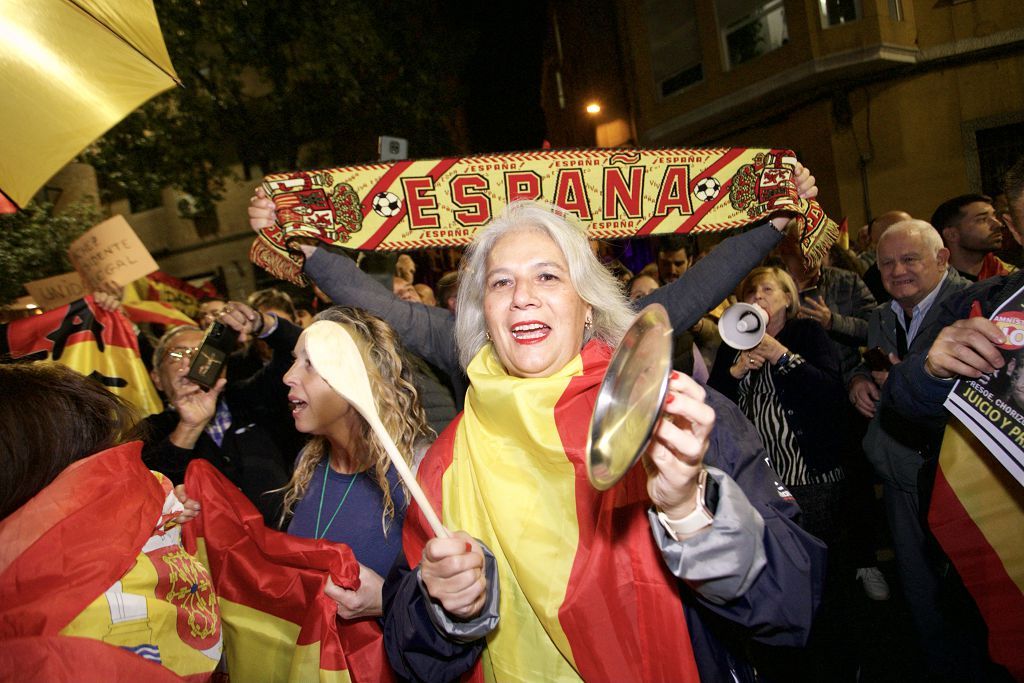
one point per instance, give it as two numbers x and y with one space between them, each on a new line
344 488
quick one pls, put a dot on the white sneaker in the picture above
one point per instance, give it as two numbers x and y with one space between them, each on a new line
875 586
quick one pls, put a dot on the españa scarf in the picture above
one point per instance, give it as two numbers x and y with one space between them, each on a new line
584 591
613 193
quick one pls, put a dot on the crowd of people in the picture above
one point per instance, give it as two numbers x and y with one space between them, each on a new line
726 556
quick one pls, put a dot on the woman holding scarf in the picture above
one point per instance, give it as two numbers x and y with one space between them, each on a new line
665 576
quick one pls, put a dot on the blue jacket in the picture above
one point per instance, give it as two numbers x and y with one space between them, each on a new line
911 390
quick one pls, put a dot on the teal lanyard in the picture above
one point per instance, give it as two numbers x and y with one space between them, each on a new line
327 466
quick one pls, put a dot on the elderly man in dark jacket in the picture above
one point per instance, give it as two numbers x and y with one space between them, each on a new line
915 271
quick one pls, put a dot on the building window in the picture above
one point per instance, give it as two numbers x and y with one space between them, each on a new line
837 12
752 28
674 45
998 148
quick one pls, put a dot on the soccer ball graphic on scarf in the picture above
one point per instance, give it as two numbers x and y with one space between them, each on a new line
706 189
386 204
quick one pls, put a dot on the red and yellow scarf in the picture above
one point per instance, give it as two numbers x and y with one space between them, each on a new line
585 593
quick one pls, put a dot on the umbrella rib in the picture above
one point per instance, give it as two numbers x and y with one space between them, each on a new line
126 41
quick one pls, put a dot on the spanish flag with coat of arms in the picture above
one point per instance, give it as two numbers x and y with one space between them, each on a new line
92 587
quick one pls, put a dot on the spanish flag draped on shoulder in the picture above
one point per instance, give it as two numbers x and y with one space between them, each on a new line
92 587
585 594
95 586
278 624
976 512
86 338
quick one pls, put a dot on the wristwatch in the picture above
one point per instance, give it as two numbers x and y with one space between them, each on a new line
700 518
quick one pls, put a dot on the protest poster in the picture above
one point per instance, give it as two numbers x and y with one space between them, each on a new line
52 292
111 252
992 406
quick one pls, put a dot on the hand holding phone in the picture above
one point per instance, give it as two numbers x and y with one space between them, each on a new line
220 340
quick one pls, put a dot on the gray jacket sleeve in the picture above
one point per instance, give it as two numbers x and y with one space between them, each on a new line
427 331
714 277
721 563
851 312
479 626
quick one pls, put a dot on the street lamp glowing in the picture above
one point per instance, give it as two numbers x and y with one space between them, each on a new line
593 108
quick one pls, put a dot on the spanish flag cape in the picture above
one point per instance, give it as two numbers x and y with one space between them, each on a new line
584 591
976 514
93 588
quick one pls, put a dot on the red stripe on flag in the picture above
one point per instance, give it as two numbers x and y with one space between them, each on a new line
618 578
416 530
93 518
442 166
70 324
50 659
998 597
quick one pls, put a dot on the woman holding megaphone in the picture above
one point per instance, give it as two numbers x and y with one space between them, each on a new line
788 383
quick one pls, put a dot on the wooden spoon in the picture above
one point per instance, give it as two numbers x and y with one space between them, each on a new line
337 359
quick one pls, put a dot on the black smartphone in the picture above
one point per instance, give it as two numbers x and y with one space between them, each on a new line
877 359
220 340
811 293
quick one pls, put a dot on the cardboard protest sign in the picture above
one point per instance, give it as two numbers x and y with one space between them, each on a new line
51 292
111 252
613 193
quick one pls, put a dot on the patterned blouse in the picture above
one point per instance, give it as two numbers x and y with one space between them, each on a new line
759 401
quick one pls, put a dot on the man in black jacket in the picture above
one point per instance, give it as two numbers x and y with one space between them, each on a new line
231 425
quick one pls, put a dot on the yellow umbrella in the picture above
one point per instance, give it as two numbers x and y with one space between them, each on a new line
69 71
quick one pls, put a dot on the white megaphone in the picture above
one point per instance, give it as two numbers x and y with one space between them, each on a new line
743 326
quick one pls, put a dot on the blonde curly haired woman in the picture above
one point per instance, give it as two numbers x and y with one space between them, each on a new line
344 488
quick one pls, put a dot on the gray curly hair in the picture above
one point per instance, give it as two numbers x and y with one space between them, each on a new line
593 282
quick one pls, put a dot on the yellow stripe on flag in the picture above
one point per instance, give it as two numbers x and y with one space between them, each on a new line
116 363
261 647
983 487
536 545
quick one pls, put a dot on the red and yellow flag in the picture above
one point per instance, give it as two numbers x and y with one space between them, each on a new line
86 338
93 588
278 624
977 513
585 593
159 286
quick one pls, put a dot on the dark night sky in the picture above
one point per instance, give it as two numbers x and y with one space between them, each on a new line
503 75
